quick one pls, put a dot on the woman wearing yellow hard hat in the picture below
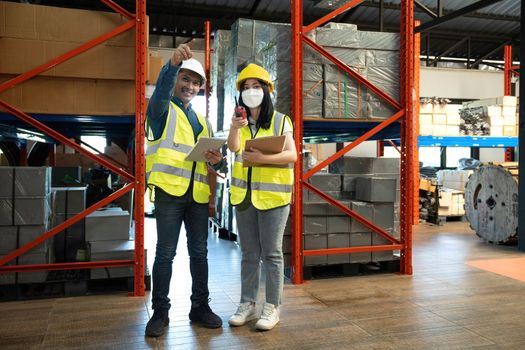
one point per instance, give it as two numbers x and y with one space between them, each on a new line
261 194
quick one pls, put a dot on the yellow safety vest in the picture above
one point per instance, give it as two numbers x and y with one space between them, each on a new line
166 166
271 185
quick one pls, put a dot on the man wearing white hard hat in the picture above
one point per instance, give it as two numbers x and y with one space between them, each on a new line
180 187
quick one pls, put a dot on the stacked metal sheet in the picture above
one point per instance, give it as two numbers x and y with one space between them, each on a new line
328 91
474 122
24 215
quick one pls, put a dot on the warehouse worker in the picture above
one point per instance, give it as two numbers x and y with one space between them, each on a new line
181 189
262 196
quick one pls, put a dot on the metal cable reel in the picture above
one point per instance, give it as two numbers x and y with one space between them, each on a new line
491 202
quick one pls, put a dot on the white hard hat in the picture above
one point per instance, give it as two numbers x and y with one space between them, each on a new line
195 66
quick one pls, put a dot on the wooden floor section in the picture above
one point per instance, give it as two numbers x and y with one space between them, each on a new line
446 304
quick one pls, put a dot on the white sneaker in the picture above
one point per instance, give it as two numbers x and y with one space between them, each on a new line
269 317
245 312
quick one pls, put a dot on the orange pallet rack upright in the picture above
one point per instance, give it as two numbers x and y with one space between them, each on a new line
136 180
404 115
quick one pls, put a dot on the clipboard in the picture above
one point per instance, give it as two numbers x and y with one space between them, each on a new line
204 144
267 145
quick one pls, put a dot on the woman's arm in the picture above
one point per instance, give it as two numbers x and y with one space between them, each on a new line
234 136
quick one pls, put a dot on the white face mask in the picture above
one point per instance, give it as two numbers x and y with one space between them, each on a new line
252 97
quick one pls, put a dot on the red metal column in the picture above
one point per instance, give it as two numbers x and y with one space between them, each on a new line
417 65
207 64
509 154
507 50
297 114
380 148
51 159
407 132
140 109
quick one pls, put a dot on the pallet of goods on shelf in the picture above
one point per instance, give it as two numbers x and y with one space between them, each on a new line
493 116
370 187
328 92
438 117
99 81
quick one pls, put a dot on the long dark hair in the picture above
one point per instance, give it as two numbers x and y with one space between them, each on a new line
266 113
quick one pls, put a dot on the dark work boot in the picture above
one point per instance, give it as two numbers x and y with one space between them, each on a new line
202 314
157 323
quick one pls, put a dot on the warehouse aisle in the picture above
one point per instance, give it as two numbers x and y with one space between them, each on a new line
446 304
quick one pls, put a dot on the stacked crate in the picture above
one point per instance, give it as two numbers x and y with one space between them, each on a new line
439 119
370 187
24 215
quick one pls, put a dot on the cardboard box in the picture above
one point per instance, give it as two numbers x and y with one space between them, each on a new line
510 120
112 250
496 131
439 119
453 119
453 109
425 119
376 189
439 130
496 120
100 62
510 131
107 225
72 96
26 21
508 111
439 109
359 239
425 130
452 130
492 111
154 66
338 240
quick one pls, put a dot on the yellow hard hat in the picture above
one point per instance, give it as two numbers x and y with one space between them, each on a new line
256 72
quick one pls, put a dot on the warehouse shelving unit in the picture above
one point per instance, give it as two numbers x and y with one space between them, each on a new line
136 178
404 118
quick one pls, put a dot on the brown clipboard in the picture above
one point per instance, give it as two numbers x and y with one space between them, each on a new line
267 145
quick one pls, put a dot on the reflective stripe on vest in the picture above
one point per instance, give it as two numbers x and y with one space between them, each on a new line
166 166
271 185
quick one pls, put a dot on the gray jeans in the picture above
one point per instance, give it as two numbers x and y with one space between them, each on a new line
261 235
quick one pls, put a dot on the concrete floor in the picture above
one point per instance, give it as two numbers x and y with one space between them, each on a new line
446 304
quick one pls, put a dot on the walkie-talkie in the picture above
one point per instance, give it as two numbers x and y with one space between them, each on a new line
240 111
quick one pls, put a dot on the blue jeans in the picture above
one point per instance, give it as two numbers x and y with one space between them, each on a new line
261 234
170 212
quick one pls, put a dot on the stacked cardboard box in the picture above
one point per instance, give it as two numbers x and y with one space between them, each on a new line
439 119
68 202
453 179
24 215
370 187
108 238
451 202
100 81
329 92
